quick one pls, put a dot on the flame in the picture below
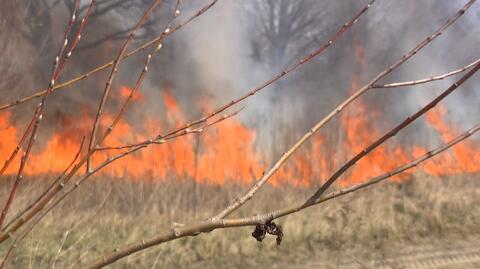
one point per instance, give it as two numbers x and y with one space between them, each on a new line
125 92
227 152
360 133
463 158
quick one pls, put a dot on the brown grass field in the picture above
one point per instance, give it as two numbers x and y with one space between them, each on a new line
362 228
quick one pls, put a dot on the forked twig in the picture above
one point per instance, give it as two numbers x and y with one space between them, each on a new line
426 80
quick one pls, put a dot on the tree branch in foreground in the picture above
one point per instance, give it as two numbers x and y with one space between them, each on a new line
392 133
17 240
266 176
58 64
263 218
187 126
49 195
430 79
113 72
60 183
212 224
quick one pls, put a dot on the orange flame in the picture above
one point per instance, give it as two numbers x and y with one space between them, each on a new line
125 93
463 158
227 152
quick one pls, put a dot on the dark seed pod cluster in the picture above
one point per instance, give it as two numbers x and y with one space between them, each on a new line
271 228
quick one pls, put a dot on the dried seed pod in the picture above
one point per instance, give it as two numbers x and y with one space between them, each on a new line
259 232
271 228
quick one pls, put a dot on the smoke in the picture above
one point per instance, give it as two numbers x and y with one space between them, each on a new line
396 27
214 60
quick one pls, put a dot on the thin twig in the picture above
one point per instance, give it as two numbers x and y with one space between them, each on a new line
161 139
19 146
62 243
426 80
113 72
138 83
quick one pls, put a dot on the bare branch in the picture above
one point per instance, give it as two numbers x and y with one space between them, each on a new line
272 80
391 133
426 80
49 195
263 218
56 181
108 85
138 83
19 146
216 223
59 62
266 176
162 139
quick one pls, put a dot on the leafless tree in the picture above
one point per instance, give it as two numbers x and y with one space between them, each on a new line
283 30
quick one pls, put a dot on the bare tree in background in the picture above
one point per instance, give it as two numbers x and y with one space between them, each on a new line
283 30
280 33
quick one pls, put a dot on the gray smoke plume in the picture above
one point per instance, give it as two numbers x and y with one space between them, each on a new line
239 44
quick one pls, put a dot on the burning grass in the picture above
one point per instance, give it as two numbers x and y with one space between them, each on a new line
106 213
229 152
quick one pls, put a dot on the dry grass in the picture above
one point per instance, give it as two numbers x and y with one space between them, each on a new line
106 213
